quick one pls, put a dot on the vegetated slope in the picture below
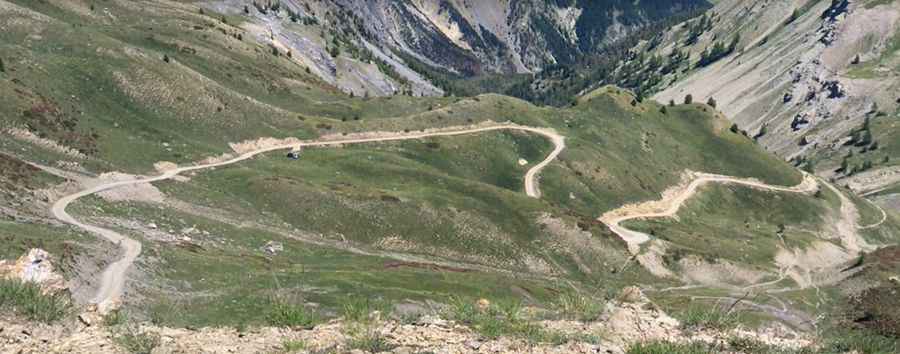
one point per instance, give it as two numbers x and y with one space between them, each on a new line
387 47
187 82
866 303
813 81
763 229
162 81
456 200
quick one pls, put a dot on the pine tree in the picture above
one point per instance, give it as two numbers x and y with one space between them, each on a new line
711 102
2 66
688 99
166 58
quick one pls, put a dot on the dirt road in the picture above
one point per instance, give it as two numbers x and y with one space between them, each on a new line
675 197
112 281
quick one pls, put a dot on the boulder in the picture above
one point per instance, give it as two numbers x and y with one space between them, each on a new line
36 267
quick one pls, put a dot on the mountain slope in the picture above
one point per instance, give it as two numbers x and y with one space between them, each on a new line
104 94
814 80
385 47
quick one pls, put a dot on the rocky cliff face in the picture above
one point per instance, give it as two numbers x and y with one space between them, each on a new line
382 47
810 79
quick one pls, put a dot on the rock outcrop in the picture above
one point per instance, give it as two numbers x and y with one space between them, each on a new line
36 267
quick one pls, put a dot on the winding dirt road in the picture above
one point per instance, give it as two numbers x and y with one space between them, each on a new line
675 197
113 277
112 281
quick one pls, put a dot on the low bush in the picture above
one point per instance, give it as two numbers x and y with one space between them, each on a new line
26 299
711 317
493 320
578 306
136 341
294 316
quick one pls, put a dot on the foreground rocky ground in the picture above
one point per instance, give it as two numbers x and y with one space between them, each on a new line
630 318
623 324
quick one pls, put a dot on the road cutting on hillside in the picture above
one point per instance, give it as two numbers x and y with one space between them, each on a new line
112 281
674 197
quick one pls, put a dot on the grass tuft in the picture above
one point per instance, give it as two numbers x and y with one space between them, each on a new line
708 317
578 306
293 346
26 299
293 316
358 309
136 341
500 319
369 340
115 318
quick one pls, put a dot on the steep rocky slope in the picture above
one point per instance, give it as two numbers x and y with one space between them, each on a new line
382 47
813 81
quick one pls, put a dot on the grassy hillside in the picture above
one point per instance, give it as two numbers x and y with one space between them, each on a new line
743 225
121 85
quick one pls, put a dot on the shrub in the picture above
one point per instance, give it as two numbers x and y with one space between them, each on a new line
292 346
360 309
295 316
499 319
137 342
369 341
26 299
578 306
712 317
114 318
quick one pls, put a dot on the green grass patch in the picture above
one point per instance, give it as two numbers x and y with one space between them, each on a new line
499 318
293 346
368 339
577 305
62 242
742 224
708 317
27 300
136 341
359 309
291 315
226 279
